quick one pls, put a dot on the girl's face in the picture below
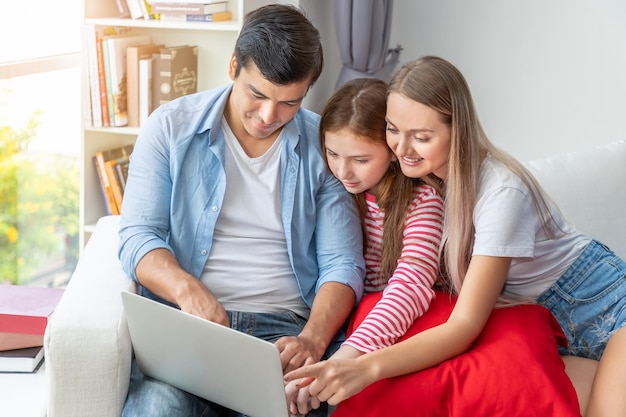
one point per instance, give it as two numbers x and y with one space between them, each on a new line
357 162
418 137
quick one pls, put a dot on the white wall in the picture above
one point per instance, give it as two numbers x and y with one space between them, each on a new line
547 75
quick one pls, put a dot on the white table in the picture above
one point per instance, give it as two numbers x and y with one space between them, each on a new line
23 394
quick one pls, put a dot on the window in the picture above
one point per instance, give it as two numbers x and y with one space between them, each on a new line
40 119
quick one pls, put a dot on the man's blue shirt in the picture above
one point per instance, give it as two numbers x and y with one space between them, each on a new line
176 186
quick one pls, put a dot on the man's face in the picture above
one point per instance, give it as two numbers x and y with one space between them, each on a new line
258 106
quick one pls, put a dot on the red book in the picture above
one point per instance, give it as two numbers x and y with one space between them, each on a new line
25 309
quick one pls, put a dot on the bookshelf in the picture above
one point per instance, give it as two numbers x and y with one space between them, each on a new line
215 45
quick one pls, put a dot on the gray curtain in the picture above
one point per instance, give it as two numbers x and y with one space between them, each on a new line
363 28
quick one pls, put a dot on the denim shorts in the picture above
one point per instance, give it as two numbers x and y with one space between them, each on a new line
589 300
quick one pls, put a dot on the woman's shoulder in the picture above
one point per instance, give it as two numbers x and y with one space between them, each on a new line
494 173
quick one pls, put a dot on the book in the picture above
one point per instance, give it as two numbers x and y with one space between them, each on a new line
189 8
122 8
102 88
122 172
134 54
26 309
145 89
103 180
151 2
208 17
115 180
134 8
116 74
21 360
174 73
100 160
92 67
9 341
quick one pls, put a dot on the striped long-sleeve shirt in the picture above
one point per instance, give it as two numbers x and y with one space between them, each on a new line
408 293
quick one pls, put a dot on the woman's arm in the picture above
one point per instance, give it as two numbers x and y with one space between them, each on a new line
339 379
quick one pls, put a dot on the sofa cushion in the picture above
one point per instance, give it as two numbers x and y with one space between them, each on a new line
513 369
589 187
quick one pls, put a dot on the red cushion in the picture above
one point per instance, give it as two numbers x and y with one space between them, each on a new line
513 369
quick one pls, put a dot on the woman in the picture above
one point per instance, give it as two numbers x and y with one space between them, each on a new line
505 242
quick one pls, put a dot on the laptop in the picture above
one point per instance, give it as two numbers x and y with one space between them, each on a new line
215 362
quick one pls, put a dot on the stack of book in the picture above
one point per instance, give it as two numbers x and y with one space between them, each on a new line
122 67
112 169
24 315
191 10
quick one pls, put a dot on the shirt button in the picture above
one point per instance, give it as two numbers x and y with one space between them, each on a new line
203 252
214 208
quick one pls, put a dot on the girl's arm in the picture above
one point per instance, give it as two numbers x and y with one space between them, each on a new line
339 379
409 291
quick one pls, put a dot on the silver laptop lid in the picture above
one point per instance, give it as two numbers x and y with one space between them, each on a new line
222 365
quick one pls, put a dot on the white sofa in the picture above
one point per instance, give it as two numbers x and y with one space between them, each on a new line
87 346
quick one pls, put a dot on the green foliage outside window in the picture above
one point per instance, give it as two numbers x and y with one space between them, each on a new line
38 207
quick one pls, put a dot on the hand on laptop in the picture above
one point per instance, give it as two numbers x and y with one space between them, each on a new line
200 302
296 351
299 400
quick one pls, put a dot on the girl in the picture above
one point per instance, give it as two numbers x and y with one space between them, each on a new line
505 242
402 217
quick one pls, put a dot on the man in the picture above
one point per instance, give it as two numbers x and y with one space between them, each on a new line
230 214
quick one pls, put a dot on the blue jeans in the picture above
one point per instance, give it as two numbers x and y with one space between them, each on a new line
589 301
148 397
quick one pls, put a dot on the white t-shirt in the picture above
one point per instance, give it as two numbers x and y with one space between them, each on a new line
248 268
507 225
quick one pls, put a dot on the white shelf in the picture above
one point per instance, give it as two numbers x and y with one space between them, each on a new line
230 25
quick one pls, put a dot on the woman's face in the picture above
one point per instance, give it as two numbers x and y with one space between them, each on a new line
418 137
357 162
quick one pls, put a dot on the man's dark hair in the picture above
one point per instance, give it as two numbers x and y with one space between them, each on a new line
282 42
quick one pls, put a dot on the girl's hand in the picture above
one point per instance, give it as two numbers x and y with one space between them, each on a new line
334 380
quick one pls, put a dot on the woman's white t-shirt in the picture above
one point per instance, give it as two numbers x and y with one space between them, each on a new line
507 225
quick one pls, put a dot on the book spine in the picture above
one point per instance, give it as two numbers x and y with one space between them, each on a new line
134 8
121 173
107 78
122 8
145 89
151 2
134 54
189 8
116 188
105 183
104 102
94 86
102 183
210 17
15 323
117 112
161 74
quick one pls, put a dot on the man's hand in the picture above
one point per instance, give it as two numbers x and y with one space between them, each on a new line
296 351
199 301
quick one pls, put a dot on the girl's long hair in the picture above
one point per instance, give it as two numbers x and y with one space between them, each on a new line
436 83
359 106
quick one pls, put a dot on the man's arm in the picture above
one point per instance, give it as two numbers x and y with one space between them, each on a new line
160 272
331 308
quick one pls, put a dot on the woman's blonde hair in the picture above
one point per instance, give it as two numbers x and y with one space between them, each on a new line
359 106
438 84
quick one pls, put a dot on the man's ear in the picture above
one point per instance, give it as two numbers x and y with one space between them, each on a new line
232 67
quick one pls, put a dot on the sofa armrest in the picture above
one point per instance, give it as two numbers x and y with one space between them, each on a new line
87 345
